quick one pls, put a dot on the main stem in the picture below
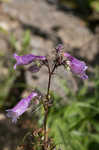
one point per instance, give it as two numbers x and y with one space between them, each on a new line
46 105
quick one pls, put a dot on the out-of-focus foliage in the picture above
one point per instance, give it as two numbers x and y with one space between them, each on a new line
5 0
24 45
5 86
84 5
6 83
74 123
26 41
95 5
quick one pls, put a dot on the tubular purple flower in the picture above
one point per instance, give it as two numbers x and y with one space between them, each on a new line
76 66
27 59
20 108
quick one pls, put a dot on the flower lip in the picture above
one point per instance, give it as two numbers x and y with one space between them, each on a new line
13 115
86 67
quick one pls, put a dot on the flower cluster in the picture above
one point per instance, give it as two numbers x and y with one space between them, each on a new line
76 66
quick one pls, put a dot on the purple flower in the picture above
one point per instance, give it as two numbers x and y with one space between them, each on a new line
27 59
20 108
76 66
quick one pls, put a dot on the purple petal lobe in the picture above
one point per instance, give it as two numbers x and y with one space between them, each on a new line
84 76
12 115
20 108
76 66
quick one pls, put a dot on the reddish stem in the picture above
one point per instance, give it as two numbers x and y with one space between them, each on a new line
46 105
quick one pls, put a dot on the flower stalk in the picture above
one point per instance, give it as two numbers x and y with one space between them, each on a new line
46 105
